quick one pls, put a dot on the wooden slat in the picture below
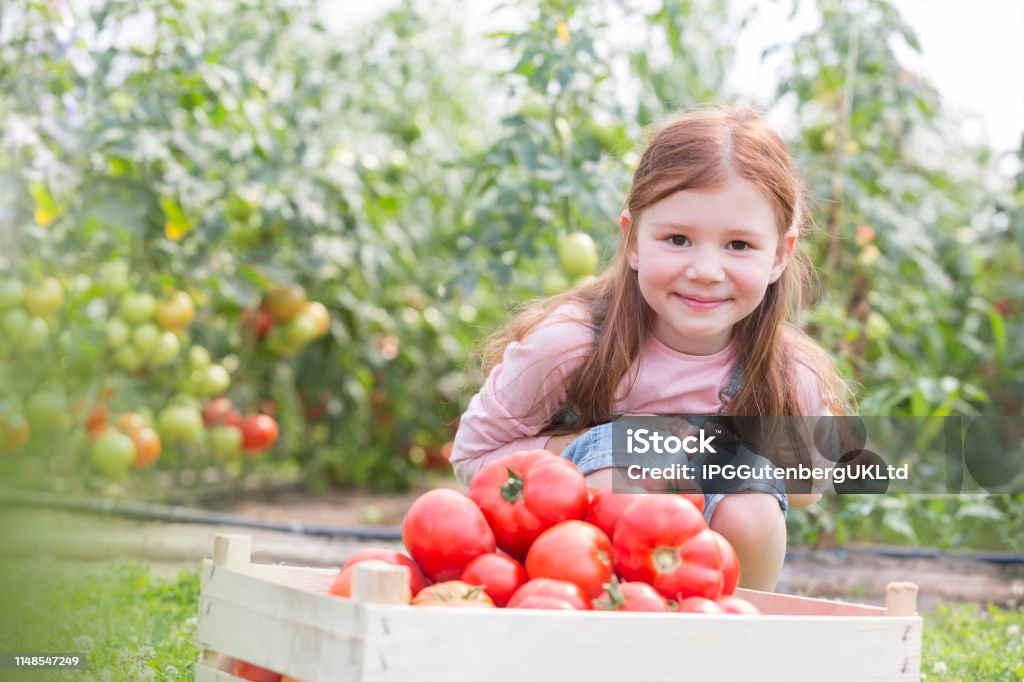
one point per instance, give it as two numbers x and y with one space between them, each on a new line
207 674
285 601
316 580
283 645
770 603
276 626
455 644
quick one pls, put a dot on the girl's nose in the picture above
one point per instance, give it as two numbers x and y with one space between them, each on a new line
705 268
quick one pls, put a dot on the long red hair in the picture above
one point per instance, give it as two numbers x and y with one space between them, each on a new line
695 150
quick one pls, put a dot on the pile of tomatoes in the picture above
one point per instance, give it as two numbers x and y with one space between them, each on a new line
531 534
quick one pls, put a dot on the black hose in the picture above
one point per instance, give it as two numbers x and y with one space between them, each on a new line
161 512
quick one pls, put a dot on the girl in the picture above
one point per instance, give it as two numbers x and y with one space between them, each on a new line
691 317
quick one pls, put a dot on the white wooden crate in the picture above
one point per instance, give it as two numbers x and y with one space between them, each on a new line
282 618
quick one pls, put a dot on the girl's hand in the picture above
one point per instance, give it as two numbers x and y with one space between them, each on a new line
798 500
557 443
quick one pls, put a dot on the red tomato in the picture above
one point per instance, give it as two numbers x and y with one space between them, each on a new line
147 446
549 587
254 673
443 531
14 431
220 412
343 583
620 596
130 422
540 601
576 551
663 540
733 604
259 321
259 432
607 506
500 575
699 605
525 493
730 564
98 415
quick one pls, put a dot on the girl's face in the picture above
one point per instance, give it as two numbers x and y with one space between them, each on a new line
704 259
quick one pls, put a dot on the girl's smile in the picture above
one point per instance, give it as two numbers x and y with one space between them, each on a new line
701 303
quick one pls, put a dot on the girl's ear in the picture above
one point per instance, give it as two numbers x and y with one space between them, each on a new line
625 220
784 254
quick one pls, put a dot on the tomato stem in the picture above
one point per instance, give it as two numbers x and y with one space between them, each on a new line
616 599
512 491
665 559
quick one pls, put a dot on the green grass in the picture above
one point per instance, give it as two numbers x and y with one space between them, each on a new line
130 625
965 642
139 628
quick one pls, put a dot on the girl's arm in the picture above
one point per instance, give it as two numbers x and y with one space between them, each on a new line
558 443
521 395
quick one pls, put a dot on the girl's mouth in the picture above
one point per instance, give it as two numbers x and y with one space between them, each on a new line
701 303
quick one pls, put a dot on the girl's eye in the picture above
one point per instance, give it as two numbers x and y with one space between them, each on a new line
738 245
678 240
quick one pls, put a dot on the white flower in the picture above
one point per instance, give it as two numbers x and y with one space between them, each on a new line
84 643
940 668
1013 631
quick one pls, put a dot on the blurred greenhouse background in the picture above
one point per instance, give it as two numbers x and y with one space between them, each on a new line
214 212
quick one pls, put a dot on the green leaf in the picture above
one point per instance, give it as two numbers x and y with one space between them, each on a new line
897 522
998 334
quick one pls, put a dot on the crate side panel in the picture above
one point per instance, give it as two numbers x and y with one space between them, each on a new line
317 580
770 603
305 651
205 673
258 594
449 644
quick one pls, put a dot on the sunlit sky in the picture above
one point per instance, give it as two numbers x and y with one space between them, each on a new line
971 52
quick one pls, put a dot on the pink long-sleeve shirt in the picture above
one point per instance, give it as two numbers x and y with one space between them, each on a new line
661 381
